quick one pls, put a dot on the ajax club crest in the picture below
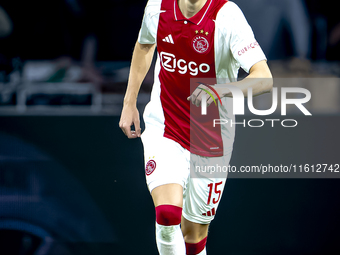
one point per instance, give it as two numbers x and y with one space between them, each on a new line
150 167
199 42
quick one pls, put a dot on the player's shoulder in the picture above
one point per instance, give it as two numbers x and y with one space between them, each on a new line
153 7
154 3
229 11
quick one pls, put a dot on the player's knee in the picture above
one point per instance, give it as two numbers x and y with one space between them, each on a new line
168 215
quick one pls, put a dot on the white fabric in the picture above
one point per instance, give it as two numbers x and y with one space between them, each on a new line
170 240
196 193
172 160
174 164
204 252
232 34
148 31
153 113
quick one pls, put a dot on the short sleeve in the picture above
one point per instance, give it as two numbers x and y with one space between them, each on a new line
148 30
243 45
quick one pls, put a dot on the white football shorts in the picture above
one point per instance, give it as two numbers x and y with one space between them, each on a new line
168 162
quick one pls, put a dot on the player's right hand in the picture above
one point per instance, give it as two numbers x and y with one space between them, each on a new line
129 118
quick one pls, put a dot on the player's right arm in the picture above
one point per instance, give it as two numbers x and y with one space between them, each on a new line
140 64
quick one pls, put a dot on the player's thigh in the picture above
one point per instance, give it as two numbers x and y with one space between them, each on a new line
204 192
166 168
168 194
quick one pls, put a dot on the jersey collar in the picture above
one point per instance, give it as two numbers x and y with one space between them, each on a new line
197 18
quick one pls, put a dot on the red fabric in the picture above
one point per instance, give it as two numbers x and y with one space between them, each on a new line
182 67
195 248
168 215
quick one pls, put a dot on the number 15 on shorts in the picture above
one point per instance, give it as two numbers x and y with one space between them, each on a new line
214 188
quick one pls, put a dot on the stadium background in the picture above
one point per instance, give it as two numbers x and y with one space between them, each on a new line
71 183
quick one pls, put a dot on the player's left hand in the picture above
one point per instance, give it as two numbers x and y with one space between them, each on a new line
212 94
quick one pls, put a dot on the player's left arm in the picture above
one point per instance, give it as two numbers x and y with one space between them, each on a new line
253 61
260 80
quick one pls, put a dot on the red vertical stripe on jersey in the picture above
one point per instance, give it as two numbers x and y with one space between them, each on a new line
190 56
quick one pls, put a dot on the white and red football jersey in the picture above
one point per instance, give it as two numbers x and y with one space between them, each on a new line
214 43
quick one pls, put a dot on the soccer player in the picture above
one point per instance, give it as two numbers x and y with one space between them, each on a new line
195 39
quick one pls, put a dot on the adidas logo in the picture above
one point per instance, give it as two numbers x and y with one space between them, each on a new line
168 39
210 213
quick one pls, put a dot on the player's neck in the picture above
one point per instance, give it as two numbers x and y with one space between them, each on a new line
190 7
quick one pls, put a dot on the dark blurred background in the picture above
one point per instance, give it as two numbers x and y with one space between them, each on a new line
68 184
48 30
